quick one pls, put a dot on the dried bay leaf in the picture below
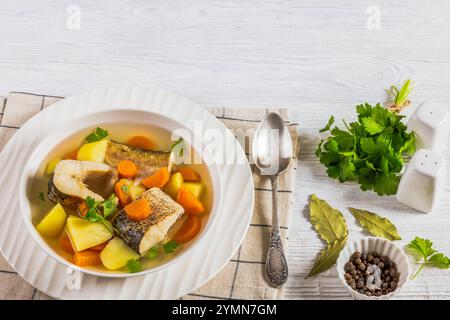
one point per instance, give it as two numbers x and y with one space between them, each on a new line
327 221
375 224
327 257
330 225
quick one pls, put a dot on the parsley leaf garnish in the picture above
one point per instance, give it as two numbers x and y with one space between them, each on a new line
369 151
170 247
177 146
109 206
426 255
97 135
153 252
134 266
41 196
125 188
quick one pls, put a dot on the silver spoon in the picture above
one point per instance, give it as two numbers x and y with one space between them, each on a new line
272 153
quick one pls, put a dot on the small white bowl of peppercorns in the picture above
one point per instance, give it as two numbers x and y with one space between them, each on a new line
373 268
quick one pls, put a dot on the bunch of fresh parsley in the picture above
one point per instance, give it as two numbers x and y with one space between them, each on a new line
423 251
369 151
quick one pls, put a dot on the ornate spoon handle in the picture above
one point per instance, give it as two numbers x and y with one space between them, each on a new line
276 270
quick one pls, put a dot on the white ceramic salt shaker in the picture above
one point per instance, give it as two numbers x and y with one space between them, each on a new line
431 123
423 181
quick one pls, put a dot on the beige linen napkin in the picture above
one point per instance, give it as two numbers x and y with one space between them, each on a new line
242 277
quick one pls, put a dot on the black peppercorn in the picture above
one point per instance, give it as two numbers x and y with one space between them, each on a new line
393 285
349 266
393 272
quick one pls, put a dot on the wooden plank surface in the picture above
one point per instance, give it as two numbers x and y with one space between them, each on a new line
317 57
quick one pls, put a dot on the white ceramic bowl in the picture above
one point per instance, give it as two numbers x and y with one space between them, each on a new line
381 246
85 123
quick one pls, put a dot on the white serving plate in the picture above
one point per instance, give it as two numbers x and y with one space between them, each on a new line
205 259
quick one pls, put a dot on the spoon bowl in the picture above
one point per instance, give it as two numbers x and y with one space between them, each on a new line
272 145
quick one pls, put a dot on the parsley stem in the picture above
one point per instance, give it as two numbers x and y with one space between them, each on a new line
417 272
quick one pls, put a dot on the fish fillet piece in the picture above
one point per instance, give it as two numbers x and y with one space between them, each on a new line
144 234
147 161
74 180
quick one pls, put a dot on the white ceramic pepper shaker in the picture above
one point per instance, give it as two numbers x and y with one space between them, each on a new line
423 181
431 123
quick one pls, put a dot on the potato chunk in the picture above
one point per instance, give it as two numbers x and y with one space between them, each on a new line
53 223
94 151
175 182
84 234
116 254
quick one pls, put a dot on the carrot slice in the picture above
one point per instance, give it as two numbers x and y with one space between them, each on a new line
121 189
87 258
188 174
138 210
99 247
189 202
127 169
158 179
188 230
65 243
82 208
141 142
72 155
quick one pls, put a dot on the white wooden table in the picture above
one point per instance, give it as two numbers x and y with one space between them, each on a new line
318 57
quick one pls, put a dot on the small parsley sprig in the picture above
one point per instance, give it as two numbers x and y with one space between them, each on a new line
426 255
170 247
98 211
97 135
152 253
134 265
178 146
